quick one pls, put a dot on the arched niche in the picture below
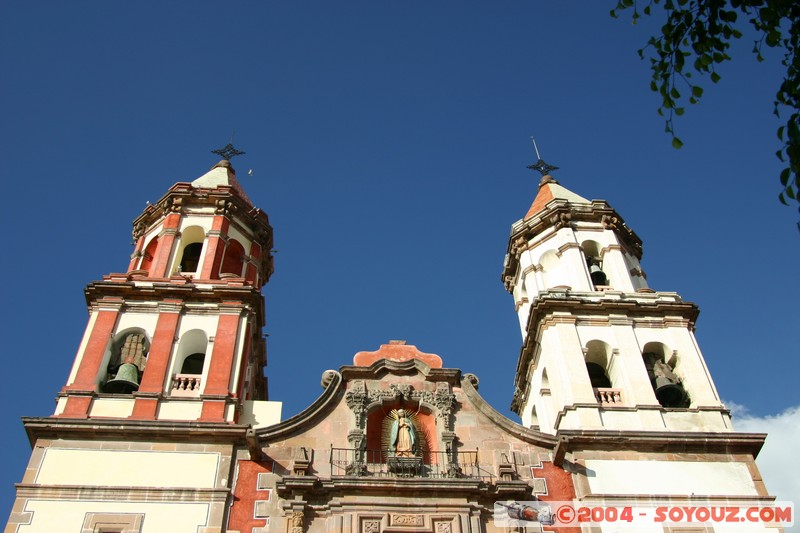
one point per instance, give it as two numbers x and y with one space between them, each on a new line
192 344
149 254
380 417
661 365
553 274
191 250
594 262
233 262
189 364
126 354
598 356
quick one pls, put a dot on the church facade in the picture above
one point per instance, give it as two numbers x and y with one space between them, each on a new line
164 423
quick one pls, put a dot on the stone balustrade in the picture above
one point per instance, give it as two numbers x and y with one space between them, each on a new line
185 385
608 397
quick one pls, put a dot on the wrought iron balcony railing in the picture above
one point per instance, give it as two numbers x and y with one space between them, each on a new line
381 463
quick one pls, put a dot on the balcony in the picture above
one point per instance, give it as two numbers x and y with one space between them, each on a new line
185 386
609 397
346 462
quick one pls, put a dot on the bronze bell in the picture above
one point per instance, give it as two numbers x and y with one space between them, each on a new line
669 393
597 275
125 382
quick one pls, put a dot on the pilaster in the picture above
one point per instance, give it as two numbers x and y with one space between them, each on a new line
165 246
216 248
92 357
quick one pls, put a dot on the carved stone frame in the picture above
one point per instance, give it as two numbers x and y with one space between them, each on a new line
103 522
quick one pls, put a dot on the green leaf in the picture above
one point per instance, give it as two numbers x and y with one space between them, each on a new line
790 193
715 77
676 143
785 174
782 199
697 91
674 93
679 111
781 131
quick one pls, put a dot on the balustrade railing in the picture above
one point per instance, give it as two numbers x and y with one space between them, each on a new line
381 463
185 385
606 396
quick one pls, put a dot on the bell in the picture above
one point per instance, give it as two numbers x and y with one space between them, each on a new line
126 380
597 275
669 393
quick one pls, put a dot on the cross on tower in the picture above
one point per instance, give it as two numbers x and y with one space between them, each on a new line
228 152
540 165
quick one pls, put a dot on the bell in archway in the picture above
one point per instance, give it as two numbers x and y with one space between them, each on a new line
125 382
669 393
597 275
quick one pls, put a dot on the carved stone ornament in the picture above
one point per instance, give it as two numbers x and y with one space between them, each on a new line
560 220
609 222
357 400
172 205
516 402
225 207
138 230
371 526
296 522
407 520
638 272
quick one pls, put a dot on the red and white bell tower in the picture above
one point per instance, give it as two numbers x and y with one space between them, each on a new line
169 375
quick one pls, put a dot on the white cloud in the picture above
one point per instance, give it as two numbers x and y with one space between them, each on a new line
778 458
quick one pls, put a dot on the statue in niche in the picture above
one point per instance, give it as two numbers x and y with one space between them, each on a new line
404 443
403 436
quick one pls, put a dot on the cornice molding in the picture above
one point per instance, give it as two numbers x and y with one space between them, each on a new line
570 441
124 494
126 429
559 214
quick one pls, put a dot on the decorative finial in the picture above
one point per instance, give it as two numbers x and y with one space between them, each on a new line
228 152
540 165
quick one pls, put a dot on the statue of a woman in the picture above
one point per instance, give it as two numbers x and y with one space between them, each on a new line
403 438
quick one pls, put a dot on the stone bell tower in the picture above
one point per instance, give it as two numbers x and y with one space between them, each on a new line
600 348
168 375
610 367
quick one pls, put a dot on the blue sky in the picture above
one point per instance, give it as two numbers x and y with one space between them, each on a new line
388 143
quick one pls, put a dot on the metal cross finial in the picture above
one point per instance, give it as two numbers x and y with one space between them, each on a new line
540 165
228 152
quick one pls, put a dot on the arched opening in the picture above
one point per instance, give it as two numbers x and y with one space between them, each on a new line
598 359
591 250
149 254
192 239
667 385
126 361
233 263
189 364
193 364
598 376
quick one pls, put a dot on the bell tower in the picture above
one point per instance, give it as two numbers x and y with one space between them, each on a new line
177 336
600 348
610 367
169 376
